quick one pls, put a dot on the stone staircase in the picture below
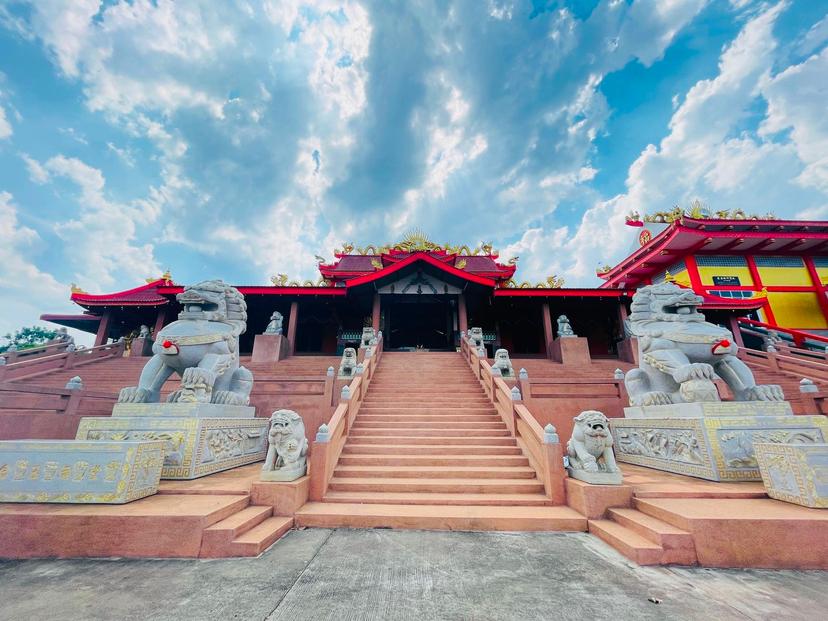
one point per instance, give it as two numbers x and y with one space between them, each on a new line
249 532
428 450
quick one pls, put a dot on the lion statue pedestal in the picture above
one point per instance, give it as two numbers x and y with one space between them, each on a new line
206 422
676 421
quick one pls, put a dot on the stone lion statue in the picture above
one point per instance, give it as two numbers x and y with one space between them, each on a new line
503 363
274 326
680 353
287 447
475 337
202 348
347 367
369 338
590 448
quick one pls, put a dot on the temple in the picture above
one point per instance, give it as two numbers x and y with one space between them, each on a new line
422 295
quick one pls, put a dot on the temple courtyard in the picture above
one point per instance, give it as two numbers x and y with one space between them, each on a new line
385 574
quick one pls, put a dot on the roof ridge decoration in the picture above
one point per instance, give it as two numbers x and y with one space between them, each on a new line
552 282
283 280
416 240
697 211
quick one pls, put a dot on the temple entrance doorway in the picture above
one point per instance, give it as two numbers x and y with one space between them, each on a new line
419 321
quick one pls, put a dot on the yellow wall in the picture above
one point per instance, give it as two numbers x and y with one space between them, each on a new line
796 310
785 276
706 274
822 272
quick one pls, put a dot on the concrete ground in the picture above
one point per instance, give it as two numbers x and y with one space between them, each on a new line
382 574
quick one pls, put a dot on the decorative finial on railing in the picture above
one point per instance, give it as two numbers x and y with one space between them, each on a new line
619 374
330 372
496 372
76 383
523 374
806 385
516 396
323 434
360 369
2 361
550 434
481 352
346 393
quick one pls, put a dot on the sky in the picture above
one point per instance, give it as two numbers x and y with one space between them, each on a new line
238 139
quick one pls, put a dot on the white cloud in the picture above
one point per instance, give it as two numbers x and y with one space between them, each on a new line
25 289
37 172
5 126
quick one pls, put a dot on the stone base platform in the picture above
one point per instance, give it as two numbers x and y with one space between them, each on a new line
195 446
674 519
710 408
68 471
209 518
796 473
182 410
716 448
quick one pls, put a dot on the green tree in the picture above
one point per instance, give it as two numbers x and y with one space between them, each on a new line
28 337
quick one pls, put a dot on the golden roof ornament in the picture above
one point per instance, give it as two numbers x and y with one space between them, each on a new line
461 264
75 289
376 263
280 280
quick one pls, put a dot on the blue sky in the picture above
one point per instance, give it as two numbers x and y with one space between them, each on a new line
238 139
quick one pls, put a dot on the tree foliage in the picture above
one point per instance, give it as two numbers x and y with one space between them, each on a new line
28 337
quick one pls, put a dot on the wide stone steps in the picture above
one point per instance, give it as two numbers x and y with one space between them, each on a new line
370 417
428 449
413 432
402 409
435 472
432 440
246 533
406 424
438 459
527 500
428 485
440 517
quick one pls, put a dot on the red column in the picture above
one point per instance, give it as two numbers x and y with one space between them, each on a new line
820 291
693 274
737 333
757 285
160 320
293 319
548 335
462 315
103 328
375 313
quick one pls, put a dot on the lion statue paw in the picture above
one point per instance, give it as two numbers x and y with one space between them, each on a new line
133 394
766 392
694 371
228 397
656 398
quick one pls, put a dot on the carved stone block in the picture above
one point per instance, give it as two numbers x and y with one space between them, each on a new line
68 471
796 473
195 447
714 448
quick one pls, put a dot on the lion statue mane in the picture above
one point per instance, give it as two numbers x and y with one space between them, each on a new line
287 445
348 364
202 347
680 353
590 447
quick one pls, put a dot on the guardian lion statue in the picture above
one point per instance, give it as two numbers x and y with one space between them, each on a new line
590 448
202 347
347 367
475 337
287 449
503 363
680 353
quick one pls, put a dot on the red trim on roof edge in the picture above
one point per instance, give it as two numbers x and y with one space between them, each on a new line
427 258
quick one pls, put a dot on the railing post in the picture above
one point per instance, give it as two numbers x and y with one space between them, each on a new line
330 380
555 475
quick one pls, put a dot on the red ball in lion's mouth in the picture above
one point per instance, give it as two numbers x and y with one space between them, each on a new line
167 344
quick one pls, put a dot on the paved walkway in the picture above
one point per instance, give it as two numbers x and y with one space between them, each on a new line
381 574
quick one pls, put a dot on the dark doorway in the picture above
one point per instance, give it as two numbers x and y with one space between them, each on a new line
424 321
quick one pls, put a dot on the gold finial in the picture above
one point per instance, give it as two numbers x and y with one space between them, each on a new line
668 277
376 263
554 282
75 289
280 280
461 264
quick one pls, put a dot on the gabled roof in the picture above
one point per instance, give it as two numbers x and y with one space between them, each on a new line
688 236
415 257
145 295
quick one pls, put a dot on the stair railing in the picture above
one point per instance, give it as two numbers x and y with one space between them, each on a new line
790 365
34 352
40 365
542 447
331 437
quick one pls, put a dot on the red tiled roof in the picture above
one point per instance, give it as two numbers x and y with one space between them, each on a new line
145 295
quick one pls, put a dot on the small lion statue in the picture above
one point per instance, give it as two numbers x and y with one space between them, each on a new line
590 453
369 338
503 363
287 449
347 367
681 354
475 337
202 347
